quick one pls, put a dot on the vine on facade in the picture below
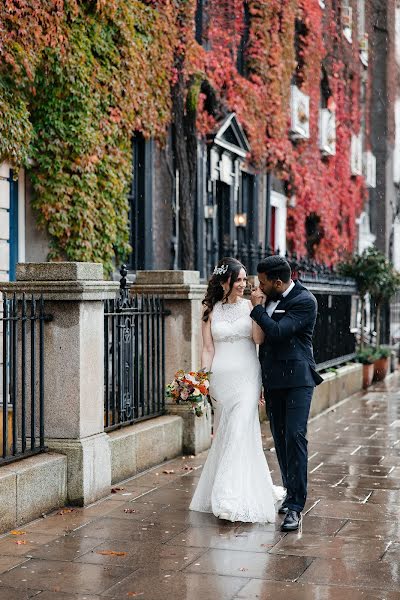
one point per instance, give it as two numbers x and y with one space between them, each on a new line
277 55
78 78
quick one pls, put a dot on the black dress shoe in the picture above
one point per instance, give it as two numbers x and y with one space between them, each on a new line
283 510
292 521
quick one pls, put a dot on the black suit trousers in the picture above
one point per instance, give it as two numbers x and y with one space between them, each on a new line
288 411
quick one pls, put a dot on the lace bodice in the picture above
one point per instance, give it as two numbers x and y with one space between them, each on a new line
231 322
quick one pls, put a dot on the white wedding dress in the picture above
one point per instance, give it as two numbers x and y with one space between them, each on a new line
235 479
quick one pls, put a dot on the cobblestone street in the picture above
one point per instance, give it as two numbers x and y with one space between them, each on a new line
143 542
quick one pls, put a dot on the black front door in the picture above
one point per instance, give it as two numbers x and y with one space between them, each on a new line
140 206
224 220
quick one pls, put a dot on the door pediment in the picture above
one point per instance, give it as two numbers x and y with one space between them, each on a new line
231 136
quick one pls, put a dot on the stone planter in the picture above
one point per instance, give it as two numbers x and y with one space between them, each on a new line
368 374
381 367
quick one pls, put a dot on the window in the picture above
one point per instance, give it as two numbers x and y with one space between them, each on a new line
241 57
327 121
347 20
300 114
362 34
198 20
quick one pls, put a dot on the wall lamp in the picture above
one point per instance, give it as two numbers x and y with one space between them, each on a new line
240 219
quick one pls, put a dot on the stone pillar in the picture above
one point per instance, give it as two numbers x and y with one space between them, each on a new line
74 369
183 294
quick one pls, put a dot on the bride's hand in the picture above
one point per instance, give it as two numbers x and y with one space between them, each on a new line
261 401
257 297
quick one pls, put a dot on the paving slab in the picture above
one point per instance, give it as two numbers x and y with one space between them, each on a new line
143 542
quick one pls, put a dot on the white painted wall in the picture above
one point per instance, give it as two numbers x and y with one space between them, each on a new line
397 35
5 220
396 153
365 237
396 245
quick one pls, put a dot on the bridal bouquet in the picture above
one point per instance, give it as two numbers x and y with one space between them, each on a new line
190 388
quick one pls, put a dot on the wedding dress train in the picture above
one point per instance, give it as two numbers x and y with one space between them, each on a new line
235 482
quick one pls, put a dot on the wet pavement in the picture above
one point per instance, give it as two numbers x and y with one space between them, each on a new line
142 542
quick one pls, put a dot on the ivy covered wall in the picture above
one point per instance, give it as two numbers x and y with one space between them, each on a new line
78 78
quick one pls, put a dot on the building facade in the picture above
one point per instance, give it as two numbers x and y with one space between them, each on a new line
296 143
246 205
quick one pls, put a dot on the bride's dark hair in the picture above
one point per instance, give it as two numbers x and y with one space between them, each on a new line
225 269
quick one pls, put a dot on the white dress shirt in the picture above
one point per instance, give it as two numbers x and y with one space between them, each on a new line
271 306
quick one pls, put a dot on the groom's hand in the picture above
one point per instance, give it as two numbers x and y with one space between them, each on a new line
257 297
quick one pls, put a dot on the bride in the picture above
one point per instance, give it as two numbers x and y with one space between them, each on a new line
235 483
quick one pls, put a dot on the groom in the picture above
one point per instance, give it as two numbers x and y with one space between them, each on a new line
286 311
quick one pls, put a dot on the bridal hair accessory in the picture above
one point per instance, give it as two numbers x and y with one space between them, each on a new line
220 270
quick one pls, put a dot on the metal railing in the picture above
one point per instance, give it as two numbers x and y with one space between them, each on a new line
334 340
22 393
134 357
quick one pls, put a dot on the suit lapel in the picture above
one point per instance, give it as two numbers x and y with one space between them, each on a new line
298 288
295 291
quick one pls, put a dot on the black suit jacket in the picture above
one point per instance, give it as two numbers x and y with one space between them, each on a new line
286 356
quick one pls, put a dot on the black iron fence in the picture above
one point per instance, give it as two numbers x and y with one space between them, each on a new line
334 341
334 335
22 377
134 355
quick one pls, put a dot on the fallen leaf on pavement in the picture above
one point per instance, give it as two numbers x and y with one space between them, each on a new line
129 510
116 489
111 553
21 542
169 471
66 511
17 532
187 468
267 545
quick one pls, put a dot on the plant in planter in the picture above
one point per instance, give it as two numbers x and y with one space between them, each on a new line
367 357
382 289
381 364
385 285
374 275
362 268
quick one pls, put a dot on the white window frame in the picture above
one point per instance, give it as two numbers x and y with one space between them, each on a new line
5 218
347 20
327 124
279 202
356 155
299 130
369 165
